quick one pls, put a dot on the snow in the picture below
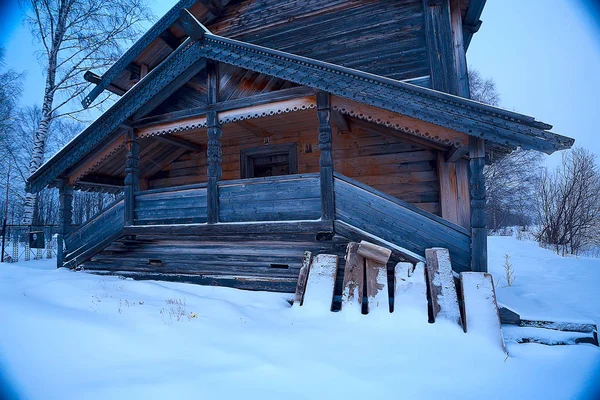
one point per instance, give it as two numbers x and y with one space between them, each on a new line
481 313
444 279
72 335
410 291
547 287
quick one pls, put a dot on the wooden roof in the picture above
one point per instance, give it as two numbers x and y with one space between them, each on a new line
503 128
377 36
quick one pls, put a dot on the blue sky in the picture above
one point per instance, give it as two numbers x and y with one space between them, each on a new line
543 54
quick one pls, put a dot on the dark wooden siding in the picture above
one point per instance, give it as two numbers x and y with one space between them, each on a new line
181 206
384 37
264 199
399 223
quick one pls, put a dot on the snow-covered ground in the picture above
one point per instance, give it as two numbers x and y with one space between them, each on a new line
70 335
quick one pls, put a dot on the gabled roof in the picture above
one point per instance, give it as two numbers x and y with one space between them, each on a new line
504 128
211 10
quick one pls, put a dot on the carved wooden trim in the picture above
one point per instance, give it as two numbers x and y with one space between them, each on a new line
506 128
225 117
95 162
401 123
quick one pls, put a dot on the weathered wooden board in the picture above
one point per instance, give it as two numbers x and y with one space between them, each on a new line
374 252
270 199
354 274
376 258
302 278
444 300
410 292
480 306
321 283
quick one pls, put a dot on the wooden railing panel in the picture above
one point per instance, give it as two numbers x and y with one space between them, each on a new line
176 206
399 223
281 198
105 224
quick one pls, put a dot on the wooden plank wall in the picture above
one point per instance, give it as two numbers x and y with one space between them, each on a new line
384 37
455 200
385 217
191 167
182 206
270 199
399 168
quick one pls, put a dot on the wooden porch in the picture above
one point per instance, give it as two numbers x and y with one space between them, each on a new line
264 225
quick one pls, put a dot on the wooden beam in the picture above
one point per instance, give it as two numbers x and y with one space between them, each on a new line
169 89
143 70
95 79
478 222
102 181
265 98
158 166
440 46
339 120
326 158
254 129
185 144
169 39
456 153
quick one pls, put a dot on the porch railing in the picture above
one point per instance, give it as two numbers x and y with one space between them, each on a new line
282 198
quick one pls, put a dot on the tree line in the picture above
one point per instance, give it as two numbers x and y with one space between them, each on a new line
71 37
560 206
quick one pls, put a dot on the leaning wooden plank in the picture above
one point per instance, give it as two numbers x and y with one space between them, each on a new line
444 301
410 291
352 292
376 258
374 252
480 306
302 277
321 282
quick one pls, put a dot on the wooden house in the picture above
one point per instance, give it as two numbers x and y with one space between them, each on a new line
250 131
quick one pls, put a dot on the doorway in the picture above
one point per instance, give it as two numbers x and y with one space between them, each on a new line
270 160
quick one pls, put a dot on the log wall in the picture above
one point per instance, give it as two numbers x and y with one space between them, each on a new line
384 37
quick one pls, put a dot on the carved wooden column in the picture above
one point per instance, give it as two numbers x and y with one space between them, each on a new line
132 179
213 151
214 167
478 222
326 160
65 218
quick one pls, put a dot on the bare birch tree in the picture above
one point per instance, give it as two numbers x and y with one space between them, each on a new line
75 36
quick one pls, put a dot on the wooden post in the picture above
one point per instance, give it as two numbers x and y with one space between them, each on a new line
132 178
214 167
326 160
213 151
478 223
65 218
